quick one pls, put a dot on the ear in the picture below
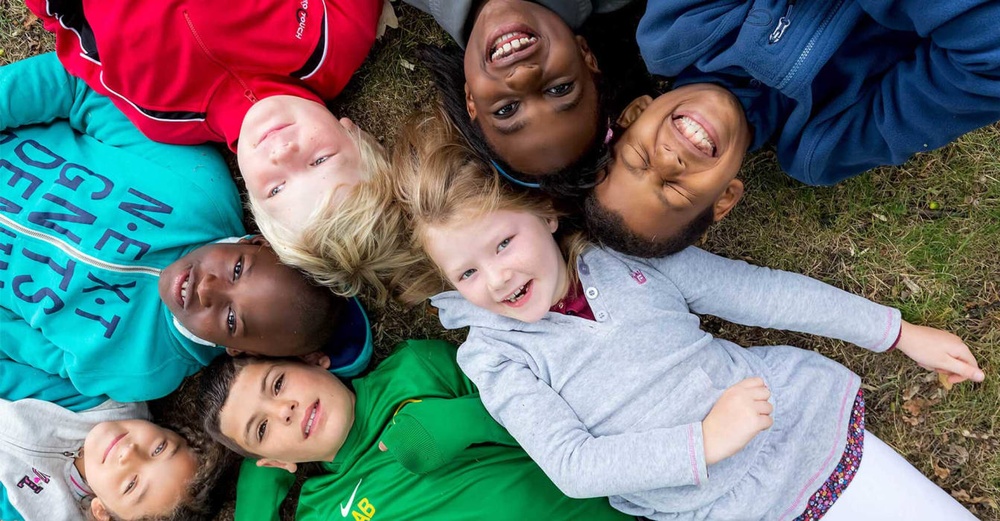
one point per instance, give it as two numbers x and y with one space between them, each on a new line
258 240
634 110
588 57
234 352
98 510
725 203
316 358
277 464
552 223
470 104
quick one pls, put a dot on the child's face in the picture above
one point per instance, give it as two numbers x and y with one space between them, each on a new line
288 412
506 262
292 152
537 102
678 157
239 296
137 468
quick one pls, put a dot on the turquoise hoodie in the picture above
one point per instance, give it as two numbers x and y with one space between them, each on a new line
90 213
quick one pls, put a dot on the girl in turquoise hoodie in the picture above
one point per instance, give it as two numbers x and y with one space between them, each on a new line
92 212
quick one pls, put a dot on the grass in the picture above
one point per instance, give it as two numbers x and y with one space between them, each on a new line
921 237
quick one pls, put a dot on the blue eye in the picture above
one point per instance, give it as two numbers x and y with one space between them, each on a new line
466 274
274 191
503 244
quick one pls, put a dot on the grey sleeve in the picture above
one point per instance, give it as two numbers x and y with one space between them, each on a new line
579 463
449 14
756 296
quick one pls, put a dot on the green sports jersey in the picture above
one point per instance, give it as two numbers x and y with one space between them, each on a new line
447 459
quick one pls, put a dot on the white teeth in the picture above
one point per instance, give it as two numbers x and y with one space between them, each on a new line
309 424
696 134
184 291
516 295
502 47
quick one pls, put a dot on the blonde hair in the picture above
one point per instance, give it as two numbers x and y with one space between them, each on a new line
350 246
441 181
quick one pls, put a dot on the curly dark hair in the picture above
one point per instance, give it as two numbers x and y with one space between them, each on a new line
571 182
203 502
608 229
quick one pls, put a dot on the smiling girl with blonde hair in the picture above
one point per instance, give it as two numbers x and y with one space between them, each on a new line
600 370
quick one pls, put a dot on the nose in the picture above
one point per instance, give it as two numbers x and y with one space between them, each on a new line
667 162
524 77
286 410
283 151
126 453
209 289
497 279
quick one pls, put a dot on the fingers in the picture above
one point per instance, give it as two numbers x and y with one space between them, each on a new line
752 382
961 370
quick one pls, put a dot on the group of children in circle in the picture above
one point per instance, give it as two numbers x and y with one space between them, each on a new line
559 233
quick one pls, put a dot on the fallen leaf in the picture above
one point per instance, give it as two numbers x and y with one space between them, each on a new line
940 472
406 65
30 19
943 380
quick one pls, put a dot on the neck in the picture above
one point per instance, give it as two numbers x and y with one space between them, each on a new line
78 463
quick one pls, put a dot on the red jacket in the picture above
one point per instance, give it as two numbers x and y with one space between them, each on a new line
187 71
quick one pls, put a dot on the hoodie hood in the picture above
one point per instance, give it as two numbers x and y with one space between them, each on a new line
455 312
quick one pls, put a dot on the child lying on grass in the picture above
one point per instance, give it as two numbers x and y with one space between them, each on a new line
110 274
595 361
72 457
411 442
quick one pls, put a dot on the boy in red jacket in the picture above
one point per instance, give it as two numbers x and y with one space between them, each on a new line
252 75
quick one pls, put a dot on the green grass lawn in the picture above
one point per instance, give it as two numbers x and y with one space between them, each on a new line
921 237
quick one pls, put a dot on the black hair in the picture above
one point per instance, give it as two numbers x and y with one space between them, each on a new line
570 182
216 383
608 229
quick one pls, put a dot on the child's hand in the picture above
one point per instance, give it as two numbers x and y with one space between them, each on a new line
740 413
939 351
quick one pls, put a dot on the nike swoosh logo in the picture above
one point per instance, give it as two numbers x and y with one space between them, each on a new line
350 501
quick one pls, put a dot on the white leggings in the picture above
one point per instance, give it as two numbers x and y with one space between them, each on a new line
886 486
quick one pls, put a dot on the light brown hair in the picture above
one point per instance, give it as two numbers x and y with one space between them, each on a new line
441 181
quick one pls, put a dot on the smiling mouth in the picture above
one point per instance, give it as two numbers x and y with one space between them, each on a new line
310 419
515 298
511 43
111 446
696 134
181 288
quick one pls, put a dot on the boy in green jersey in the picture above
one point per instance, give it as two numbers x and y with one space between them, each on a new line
412 441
